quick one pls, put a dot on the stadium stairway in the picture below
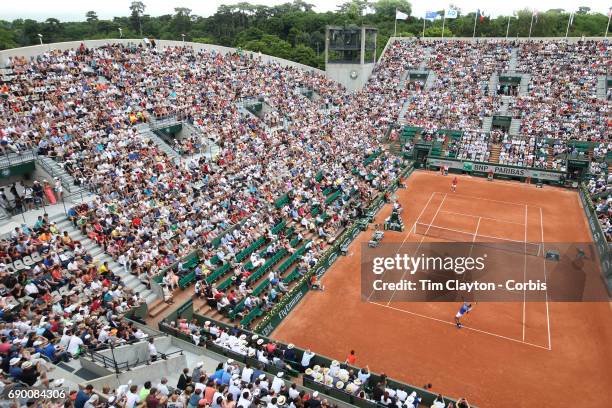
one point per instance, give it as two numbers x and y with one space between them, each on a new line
99 257
426 54
176 157
55 170
515 127
487 123
524 86
493 81
513 60
495 150
211 149
431 79
601 87
401 117
402 81
550 157
505 103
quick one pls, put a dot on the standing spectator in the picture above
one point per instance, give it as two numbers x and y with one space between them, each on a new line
306 357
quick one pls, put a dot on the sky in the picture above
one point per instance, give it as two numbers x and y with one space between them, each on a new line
74 10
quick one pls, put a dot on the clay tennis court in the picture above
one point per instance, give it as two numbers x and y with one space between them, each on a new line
525 353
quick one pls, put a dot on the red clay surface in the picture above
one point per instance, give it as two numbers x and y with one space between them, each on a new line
510 354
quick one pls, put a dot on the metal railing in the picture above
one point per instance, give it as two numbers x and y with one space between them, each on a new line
111 362
13 159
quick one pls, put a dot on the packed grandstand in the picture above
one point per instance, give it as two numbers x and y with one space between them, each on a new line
241 228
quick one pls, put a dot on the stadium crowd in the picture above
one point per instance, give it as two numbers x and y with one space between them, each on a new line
559 104
154 211
55 303
82 107
340 376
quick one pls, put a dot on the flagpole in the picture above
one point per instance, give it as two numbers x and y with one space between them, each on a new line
424 20
444 21
508 28
531 25
608 26
569 20
475 17
395 30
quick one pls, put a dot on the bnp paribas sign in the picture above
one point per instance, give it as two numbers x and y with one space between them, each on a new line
496 169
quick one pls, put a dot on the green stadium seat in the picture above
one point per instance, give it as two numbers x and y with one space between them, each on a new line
187 279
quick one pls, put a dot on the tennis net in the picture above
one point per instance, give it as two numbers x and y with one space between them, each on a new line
448 234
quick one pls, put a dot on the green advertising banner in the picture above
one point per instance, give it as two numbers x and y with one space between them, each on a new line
602 245
497 169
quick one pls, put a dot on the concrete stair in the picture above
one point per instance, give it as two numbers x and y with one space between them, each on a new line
523 88
493 81
99 256
505 104
163 146
431 79
157 307
402 81
495 150
211 149
401 118
515 127
513 60
601 86
549 157
426 55
487 123
54 169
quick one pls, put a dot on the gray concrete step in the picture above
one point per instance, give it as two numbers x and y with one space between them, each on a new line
100 256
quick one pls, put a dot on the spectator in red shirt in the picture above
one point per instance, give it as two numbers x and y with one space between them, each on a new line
352 358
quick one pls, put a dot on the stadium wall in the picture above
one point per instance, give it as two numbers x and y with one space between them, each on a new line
35 50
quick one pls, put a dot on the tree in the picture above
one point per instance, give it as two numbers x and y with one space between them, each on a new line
91 17
385 9
437 32
583 10
181 22
7 39
138 9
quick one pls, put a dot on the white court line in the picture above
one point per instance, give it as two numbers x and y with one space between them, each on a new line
525 273
489 199
463 327
407 235
475 235
478 216
545 280
471 233
418 246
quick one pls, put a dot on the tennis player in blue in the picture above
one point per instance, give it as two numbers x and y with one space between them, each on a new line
465 308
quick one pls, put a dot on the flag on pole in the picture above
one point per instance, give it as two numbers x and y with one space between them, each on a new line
535 13
481 15
431 15
400 16
571 19
450 13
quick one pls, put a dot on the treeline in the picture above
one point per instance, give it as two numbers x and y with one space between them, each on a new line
292 30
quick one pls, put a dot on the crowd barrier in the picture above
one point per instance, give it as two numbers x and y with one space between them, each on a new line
186 311
499 170
603 246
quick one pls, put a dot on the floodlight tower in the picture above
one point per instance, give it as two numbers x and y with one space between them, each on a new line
350 54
